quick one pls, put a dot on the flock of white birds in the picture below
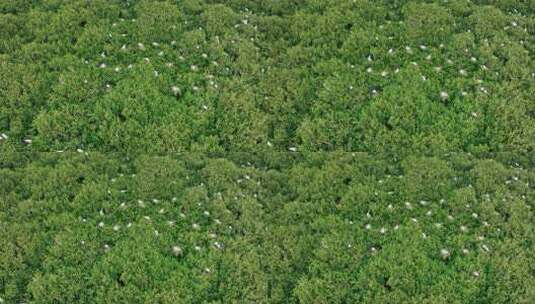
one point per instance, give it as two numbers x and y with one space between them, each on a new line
430 62
435 219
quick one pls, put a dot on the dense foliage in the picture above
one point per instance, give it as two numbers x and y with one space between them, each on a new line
276 151
235 75
268 228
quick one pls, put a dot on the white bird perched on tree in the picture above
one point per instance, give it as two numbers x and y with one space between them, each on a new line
176 250
445 254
